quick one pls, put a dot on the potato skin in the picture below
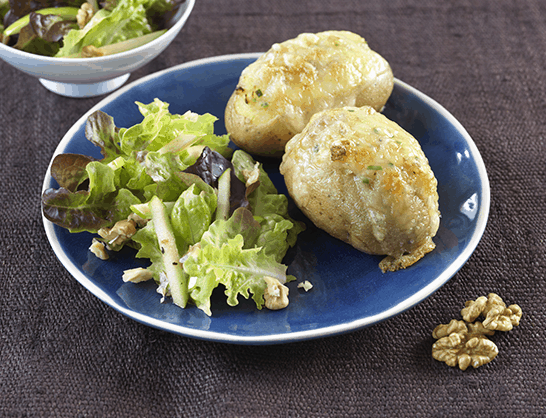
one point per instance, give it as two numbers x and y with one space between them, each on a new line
277 94
364 180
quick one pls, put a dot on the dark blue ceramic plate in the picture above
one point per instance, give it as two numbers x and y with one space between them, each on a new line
349 292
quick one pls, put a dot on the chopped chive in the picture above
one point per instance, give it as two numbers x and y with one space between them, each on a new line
259 93
366 180
265 104
375 167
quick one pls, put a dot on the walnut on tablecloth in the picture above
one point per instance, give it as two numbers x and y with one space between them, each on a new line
497 315
467 345
464 343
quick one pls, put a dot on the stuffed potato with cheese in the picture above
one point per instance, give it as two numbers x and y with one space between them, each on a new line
277 94
363 179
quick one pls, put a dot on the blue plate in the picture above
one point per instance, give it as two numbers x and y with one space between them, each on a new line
349 292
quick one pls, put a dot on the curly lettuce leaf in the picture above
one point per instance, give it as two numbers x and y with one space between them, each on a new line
274 235
240 270
192 213
42 34
69 170
160 129
77 212
73 211
240 223
101 131
163 169
103 204
230 254
155 128
20 8
134 175
263 196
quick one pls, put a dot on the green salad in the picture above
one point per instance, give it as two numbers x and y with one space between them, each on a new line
82 29
203 214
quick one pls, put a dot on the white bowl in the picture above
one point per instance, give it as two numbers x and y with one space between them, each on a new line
86 77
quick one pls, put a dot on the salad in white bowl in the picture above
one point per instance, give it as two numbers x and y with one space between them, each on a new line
82 28
85 49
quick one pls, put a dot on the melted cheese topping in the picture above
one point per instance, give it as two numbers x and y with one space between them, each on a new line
312 72
364 180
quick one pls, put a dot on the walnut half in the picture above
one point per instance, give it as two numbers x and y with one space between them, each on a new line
120 233
91 51
497 316
276 294
444 330
464 346
137 275
98 249
84 15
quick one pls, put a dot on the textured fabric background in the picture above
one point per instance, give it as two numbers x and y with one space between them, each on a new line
65 353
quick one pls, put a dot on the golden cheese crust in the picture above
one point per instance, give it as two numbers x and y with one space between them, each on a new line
277 95
363 179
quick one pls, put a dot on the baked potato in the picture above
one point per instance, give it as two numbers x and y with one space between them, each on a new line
363 179
277 94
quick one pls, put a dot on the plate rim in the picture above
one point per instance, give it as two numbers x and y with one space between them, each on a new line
278 338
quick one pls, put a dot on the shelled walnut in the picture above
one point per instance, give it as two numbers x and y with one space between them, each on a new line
276 294
84 15
98 249
463 344
473 309
497 315
137 275
91 51
120 233
443 330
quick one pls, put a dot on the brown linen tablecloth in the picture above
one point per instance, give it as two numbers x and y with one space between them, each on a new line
65 353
